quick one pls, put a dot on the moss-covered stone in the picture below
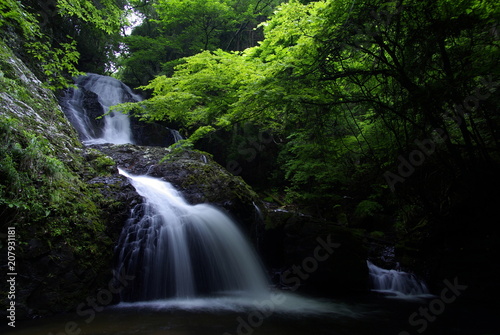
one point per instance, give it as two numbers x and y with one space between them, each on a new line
99 163
195 174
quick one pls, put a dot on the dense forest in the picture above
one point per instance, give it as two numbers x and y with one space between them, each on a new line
350 110
390 104
380 116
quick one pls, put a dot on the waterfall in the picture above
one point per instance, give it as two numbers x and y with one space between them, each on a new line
93 98
73 106
396 283
176 136
177 250
178 255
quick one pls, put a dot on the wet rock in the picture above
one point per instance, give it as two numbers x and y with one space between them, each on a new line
314 256
94 110
151 134
195 174
77 202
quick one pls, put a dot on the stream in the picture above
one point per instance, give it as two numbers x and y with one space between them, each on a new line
368 315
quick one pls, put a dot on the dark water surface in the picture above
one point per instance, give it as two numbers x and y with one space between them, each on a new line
373 315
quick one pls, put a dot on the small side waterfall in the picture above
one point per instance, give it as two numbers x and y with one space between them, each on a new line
396 283
176 136
177 250
82 110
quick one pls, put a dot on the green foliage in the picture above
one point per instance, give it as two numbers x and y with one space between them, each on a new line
201 93
100 163
367 208
199 22
347 87
187 144
377 234
173 29
56 62
54 53
106 16
37 190
13 14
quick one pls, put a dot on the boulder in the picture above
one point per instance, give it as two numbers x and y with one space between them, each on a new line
314 256
195 174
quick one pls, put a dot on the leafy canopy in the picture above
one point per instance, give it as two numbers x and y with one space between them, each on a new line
348 87
175 29
58 57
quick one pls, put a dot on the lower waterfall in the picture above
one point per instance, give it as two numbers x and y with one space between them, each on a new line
177 250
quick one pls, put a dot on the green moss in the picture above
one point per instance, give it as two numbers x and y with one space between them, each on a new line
99 163
53 199
42 191
367 208
377 234
104 162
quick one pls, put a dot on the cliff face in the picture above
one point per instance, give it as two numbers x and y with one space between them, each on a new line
49 191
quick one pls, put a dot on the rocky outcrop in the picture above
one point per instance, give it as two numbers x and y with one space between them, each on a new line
151 134
288 243
314 256
195 174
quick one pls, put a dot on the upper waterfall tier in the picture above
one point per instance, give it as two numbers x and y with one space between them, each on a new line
93 98
86 107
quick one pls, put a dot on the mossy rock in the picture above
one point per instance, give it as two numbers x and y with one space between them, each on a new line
64 242
195 174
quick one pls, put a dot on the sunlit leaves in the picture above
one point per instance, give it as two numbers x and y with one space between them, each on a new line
346 85
54 62
202 91
105 16
13 14
58 57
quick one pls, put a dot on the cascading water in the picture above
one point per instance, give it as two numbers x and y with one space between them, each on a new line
177 250
176 136
173 249
178 254
83 113
396 283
